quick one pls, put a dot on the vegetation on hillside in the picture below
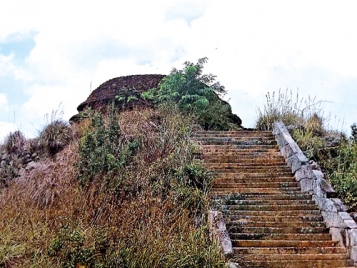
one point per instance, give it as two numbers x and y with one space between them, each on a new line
126 191
331 149
195 94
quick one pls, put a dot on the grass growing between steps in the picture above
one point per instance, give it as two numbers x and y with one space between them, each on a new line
332 150
125 191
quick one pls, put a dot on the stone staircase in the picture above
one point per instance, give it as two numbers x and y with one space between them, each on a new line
270 222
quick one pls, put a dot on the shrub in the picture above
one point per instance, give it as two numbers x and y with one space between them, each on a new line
55 136
104 151
195 93
344 175
14 142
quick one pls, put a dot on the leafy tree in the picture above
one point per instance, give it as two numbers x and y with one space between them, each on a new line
195 93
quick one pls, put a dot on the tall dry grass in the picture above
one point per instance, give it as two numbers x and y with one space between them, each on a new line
155 219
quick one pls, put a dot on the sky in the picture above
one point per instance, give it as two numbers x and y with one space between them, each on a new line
54 53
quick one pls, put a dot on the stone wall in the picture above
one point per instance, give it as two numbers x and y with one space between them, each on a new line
342 227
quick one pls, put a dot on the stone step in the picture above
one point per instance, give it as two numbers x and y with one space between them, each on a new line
295 256
272 171
289 250
233 147
231 219
251 175
278 236
242 208
217 185
246 179
263 196
267 166
245 190
244 222
258 202
321 263
276 230
270 213
241 133
233 141
247 160
235 153
282 243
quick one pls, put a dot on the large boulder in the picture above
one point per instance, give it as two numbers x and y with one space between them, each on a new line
125 92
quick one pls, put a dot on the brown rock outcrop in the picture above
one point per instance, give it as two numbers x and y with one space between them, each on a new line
126 91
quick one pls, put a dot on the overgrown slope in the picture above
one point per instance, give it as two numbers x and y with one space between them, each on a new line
125 192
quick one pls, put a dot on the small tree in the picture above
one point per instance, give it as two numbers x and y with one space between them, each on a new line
194 93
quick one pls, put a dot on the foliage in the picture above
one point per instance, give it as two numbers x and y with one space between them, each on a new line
344 175
104 152
194 93
143 204
55 135
307 126
291 110
14 142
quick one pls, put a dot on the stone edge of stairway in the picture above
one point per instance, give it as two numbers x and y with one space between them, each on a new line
342 227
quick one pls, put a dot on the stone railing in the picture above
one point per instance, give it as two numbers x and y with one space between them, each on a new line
342 227
218 231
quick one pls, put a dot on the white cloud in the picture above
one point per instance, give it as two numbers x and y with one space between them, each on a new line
3 102
5 129
253 47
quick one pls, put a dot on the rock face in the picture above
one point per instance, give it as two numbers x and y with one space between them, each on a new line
125 91
122 87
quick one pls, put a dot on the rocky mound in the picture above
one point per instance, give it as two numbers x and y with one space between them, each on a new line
120 88
126 91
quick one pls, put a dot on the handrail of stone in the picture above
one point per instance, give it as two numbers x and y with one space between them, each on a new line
342 227
218 230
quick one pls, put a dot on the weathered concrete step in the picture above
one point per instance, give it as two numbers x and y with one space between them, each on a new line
246 159
253 184
262 202
252 175
322 263
263 196
233 147
243 179
245 190
267 166
289 250
243 160
254 150
276 230
240 153
282 243
231 219
240 132
261 207
274 213
232 141
283 236
252 139
269 171
294 224
296 256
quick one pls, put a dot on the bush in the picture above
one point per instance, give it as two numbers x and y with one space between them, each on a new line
14 142
197 94
344 176
55 136
104 151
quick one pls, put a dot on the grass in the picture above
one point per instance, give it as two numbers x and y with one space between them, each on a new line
154 218
310 129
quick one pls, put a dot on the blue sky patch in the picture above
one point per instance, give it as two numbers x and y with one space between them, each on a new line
19 44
